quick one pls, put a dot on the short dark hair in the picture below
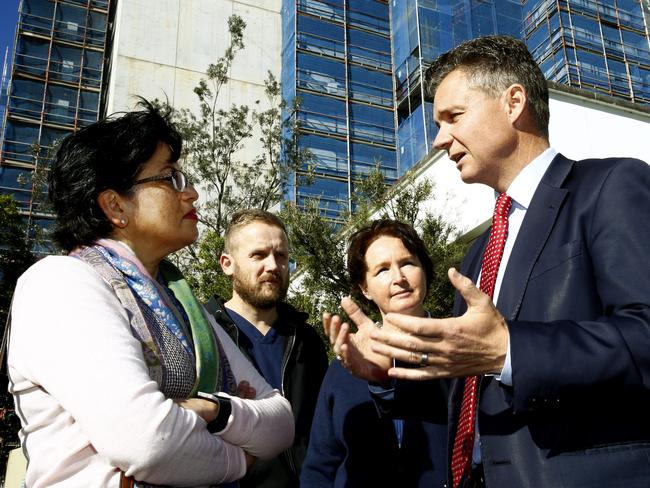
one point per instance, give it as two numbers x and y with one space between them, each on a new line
245 217
108 154
360 241
493 63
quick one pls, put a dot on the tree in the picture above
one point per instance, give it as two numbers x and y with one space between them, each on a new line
212 142
15 257
15 251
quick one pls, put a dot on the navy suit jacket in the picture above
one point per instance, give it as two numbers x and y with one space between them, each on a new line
576 296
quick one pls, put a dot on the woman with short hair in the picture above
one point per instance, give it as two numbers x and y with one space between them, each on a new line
109 350
350 444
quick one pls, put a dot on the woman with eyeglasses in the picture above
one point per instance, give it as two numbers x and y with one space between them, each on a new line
350 444
119 376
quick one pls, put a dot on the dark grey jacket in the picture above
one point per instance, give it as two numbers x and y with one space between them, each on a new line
303 367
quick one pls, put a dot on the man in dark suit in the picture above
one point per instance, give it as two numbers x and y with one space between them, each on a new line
552 347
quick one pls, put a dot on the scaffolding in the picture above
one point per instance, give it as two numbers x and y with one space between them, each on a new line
57 79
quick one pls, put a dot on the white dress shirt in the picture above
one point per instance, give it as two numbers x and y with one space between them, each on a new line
521 191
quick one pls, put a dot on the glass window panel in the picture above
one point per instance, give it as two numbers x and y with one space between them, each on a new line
15 178
399 31
322 104
321 74
97 21
636 47
92 67
88 107
37 16
375 115
16 182
26 98
326 187
371 123
50 136
371 7
65 63
39 8
323 114
31 56
434 32
640 83
366 48
321 28
364 153
368 40
333 70
330 154
332 195
411 141
19 139
60 104
328 9
370 86
592 69
538 43
365 158
70 22
369 14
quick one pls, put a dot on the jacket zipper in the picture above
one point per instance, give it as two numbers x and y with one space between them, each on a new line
285 363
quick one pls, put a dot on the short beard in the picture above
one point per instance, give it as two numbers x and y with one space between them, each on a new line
253 294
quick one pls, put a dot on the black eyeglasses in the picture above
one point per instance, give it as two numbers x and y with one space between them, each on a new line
179 180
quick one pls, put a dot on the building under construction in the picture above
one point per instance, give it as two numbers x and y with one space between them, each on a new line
57 80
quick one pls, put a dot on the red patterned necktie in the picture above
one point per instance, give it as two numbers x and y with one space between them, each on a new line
464 441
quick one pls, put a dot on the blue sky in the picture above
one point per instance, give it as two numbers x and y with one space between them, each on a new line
8 18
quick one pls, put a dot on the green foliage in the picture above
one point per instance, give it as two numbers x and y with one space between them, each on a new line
15 257
445 252
206 275
375 196
15 251
319 254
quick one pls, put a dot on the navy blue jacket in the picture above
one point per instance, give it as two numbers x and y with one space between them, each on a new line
351 446
576 296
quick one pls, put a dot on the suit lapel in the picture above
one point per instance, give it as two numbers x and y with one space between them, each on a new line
470 267
533 234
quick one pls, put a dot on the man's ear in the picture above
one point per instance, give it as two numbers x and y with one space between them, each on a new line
515 102
112 204
227 264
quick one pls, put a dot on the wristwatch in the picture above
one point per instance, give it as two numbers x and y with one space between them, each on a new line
223 414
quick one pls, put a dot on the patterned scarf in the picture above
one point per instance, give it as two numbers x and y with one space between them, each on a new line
172 303
181 350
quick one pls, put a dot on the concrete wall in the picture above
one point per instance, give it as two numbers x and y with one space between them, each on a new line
580 127
163 47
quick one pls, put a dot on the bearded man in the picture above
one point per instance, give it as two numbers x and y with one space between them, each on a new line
285 349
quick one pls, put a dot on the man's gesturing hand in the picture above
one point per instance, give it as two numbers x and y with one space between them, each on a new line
472 344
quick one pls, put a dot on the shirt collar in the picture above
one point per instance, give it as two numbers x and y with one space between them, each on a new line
523 187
